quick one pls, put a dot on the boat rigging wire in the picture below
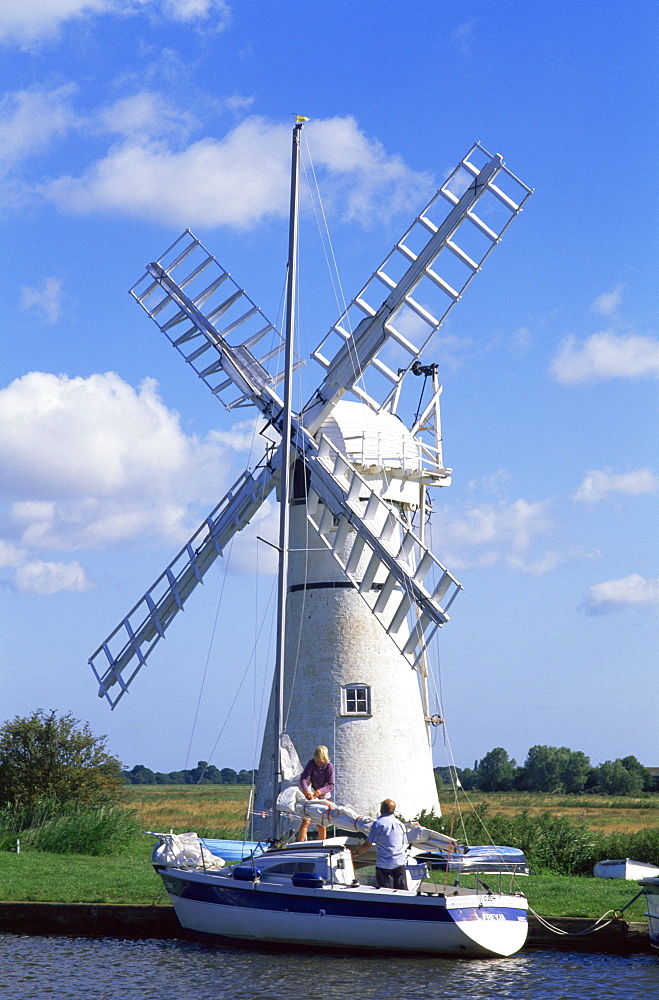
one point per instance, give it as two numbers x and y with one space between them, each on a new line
217 613
340 299
208 656
252 656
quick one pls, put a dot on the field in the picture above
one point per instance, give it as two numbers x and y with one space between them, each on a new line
209 810
218 809
602 813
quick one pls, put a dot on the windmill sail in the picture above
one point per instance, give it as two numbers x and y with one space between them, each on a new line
237 352
343 506
119 658
199 307
376 341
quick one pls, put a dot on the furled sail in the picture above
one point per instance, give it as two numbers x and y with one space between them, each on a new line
322 812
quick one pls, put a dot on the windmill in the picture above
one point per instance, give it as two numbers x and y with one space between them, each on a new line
365 595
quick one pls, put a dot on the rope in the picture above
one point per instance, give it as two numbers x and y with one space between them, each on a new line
604 921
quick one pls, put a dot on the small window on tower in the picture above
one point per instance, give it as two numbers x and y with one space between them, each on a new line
356 699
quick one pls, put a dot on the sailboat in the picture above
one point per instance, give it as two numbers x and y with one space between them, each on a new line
315 893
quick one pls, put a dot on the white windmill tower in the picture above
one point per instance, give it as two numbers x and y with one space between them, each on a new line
363 593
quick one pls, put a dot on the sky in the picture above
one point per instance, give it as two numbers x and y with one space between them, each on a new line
123 122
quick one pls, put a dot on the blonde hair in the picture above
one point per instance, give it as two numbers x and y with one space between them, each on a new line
321 755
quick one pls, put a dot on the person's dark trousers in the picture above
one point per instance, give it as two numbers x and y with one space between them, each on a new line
391 878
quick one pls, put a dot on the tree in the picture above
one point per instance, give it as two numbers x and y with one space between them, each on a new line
554 769
139 775
468 777
43 756
575 771
246 777
496 771
634 766
614 778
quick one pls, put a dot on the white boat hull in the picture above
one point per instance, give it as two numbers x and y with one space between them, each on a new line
625 868
651 890
468 924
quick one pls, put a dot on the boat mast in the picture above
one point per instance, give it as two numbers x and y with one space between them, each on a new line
282 577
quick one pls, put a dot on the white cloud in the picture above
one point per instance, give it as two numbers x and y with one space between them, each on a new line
89 463
242 435
45 299
463 36
193 10
608 302
50 577
377 184
145 113
10 555
502 534
616 594
598 483
242 178
492 483
31 119
28 22
237 103
521 339
607 355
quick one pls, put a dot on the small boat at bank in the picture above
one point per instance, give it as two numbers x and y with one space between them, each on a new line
624 868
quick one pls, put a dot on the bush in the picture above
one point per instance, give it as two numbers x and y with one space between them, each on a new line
46 756
68 828
551 843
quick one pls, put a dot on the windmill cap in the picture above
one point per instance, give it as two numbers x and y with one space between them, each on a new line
370 439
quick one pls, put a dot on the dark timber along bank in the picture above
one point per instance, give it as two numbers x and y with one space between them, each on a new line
124 921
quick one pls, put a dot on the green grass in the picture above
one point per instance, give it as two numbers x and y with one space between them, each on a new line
37 876
568 896
69 828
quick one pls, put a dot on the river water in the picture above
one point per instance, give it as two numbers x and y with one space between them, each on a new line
112 969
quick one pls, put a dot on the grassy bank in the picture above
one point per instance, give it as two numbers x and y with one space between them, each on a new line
35 876
219 811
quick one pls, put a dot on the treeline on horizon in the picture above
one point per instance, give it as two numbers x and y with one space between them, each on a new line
203 774
552 770
546 769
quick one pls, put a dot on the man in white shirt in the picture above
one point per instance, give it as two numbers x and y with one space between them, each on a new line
390 839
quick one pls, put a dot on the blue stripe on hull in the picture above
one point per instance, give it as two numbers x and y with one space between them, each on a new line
333 903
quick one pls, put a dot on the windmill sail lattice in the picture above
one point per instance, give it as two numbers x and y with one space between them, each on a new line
199 307
375 342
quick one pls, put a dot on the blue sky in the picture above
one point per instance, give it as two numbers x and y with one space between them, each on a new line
122 122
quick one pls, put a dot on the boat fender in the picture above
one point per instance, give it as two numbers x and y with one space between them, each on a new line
308 880
246 873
